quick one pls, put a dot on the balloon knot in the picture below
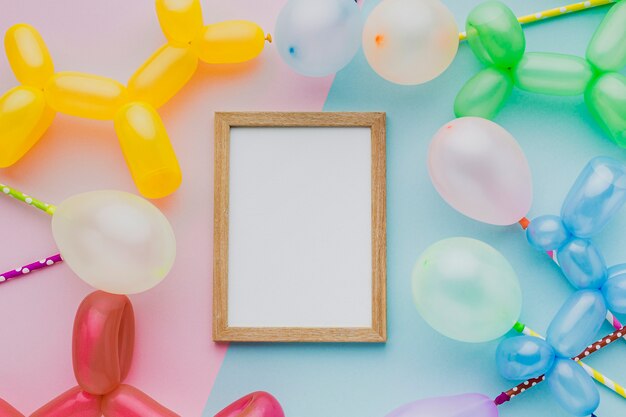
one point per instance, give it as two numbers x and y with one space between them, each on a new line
268 37
524 222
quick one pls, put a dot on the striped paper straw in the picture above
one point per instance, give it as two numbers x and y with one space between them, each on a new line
24 198
604 380
27 269
607 382
518 389
557 11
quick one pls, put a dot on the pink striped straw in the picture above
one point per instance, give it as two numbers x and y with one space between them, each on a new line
27 269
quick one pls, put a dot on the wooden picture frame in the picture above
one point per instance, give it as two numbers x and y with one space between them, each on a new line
224 125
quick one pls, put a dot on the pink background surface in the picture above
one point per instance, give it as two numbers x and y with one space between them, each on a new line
175 361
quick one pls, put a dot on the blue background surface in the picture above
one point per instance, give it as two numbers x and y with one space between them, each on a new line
558 137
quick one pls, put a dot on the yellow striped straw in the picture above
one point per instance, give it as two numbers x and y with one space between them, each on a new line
607 382
557 11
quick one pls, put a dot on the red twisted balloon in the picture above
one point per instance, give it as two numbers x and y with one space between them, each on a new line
102 352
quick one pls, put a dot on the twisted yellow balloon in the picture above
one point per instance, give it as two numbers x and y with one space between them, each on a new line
27 111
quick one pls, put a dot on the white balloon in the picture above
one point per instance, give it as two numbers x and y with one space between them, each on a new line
115 241
410 41
318 37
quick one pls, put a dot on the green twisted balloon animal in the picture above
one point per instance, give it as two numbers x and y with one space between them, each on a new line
496 38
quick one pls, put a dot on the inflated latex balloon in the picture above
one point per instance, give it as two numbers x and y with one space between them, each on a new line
148 151
484 94
465 405
596 196
574 390
582 264
616 270
606 100
524 357
229 42
577 323
547 233
614 291
410 41
256 404
495 35
24 117
74 402
479 169
6 410
115 241
103 341
496 38
607 49
466 290
318 38
27 111
28 55
180 20
554 74
163 74
128 401
85 95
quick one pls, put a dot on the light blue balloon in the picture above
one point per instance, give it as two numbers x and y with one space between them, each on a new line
614 291
320 37
582 264
574 390
598 193
547 233
616 270
524 357
577 323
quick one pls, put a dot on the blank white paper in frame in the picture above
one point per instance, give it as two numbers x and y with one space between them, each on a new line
300 227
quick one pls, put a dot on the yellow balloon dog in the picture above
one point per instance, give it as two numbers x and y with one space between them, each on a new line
27 111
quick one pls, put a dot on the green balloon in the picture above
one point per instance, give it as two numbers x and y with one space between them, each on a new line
606 100
466 290
495 35
607 49
555 74
484 94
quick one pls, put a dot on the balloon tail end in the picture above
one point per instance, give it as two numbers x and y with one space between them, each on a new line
524 222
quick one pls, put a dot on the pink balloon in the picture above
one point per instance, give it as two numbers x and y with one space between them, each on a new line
6 410
465 405
127 401
257 404
72 403
479 169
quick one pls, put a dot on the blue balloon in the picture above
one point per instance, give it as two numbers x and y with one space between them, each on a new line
598 193
577 323
524 357
547 233
616 270
582 264
614 291
573 388
318 38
